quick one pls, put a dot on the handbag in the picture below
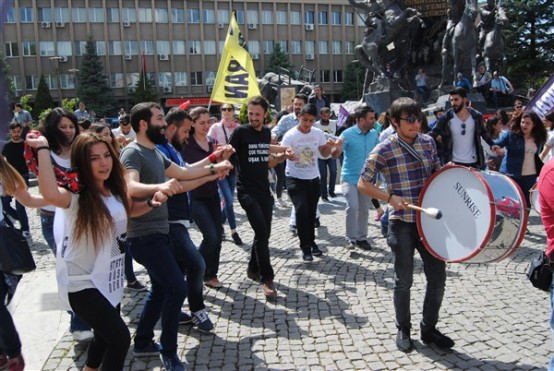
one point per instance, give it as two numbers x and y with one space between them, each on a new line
15 253
540 272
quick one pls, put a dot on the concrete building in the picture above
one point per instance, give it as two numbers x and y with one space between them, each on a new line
178 42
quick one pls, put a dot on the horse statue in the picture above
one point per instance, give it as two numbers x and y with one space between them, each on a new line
494 46
389 36
460 49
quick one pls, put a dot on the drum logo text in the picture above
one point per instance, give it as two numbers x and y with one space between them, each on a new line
473 209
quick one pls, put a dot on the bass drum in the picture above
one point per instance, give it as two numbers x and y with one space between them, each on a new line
483 215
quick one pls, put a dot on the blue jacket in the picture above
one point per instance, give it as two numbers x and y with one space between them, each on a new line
515 153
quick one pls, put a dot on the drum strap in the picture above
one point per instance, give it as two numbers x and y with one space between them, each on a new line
414 153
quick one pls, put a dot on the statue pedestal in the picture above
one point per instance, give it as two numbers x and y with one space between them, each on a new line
382 93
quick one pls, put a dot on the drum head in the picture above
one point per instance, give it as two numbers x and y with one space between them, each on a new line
465 201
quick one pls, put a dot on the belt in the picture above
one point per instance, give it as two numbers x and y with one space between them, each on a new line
47 212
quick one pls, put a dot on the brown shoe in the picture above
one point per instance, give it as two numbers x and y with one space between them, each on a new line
269 291
254 276
213 283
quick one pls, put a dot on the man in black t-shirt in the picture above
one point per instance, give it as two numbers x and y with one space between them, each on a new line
13 152
254 155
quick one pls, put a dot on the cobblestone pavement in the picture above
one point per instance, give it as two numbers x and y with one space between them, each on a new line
337 312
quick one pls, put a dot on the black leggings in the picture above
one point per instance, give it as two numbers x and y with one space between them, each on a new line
111 335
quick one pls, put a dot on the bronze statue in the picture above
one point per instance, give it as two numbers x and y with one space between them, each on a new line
491 40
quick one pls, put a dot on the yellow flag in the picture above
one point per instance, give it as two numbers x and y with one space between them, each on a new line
236 81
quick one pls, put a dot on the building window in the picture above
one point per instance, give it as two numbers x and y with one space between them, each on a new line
101 47
309 17
129 15
296 47
29 48
178 47
335 18
349 47
161 15
165 80
337 76
145 15
117 80
67 81
223 16
253 16
47 49
310 47
336 47
208 16
181 79
195 47
10 16
113 15
96 15
162 47
295 17
44 15
240 16
196 78
78 15
349 19
267 17
322 17
80 47
268 46
17 82
130 47
147 47
193 15
132 79
323 47
114 47
361 21
210 78
284 45
177 15
281 17
209 47
324 76
31 82
11 49
26 15
62 15
254 46
221 46
64 48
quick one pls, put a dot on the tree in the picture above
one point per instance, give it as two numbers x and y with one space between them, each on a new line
43 99
144 91
11 94
353 83
93 85
529 40
278 59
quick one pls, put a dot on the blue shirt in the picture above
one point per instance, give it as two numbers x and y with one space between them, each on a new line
286 123
356 147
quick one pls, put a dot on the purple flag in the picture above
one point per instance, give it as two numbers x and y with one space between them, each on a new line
343 116
543 101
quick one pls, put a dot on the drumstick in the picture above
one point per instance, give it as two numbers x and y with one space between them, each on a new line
431 211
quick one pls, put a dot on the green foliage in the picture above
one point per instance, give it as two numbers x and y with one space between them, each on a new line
353 83
529 41
93 84
277 59
43 99
24 100
70 104
144 92
11 93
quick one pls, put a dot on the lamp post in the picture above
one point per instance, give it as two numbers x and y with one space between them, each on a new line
56 60
75 72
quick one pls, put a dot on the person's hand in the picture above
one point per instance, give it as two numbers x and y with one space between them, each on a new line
34 139
497 150
224 152
171 187
398 203
289 154
158 199
222 168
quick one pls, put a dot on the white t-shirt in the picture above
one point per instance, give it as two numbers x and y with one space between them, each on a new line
306 149
329 130
130 135
550 143
79 265
463 145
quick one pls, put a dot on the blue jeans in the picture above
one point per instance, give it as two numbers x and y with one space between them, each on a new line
330 163
190 262
403 240
20 213
259 212
227 188
129 271
167 294
304 195
525 183
10 344
206 213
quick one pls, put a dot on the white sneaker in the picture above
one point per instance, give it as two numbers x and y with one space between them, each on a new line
281 202
82 335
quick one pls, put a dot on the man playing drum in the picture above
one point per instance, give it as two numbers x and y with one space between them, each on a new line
460 131
406 160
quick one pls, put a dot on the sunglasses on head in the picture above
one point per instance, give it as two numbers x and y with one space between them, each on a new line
227 109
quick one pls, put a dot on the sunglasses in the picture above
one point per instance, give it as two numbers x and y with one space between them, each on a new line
518 107
411 119
226 109
463 128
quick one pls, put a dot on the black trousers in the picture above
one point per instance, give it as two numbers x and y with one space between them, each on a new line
304 194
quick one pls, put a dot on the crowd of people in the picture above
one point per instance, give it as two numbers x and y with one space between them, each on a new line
157 173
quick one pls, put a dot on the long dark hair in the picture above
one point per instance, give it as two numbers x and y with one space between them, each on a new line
50 130
538 132
99 223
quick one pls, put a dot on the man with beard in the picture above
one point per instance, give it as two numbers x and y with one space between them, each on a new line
146 172
254 151
124 133
460 131
188 257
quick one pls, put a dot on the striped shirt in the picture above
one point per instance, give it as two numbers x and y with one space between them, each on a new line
404 174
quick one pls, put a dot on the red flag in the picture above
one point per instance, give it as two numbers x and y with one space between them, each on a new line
143 71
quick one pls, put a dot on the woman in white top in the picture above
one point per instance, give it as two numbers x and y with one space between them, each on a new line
548 122
12 184
89 229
